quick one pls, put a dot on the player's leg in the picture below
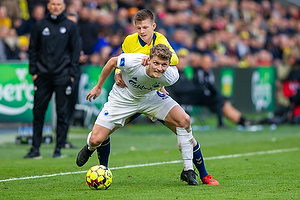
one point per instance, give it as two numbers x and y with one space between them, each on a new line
95 138
181 120
197 159
103 151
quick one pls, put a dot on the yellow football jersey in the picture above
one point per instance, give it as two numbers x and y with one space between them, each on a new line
134 44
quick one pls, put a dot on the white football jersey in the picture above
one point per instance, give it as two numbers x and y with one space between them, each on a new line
139 84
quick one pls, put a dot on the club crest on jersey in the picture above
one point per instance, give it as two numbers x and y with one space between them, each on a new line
62 30
122 62
105 113
46 31
156 85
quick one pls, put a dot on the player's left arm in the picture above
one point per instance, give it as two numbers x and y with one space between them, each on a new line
107 70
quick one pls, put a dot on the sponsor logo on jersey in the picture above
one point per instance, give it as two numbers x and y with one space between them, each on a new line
46 31
156 85
133 83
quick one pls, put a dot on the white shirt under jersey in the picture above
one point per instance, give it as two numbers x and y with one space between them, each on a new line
139 84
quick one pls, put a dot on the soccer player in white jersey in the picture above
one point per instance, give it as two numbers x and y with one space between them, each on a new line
141 96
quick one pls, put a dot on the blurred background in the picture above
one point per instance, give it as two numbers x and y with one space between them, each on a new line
254 45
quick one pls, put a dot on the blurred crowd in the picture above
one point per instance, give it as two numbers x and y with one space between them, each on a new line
245 33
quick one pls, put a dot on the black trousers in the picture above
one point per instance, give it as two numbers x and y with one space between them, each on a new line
44 88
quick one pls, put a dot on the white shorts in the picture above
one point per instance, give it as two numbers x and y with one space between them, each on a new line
115 112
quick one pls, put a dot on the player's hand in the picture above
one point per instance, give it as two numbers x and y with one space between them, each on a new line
93 94
145 60
119 81
164 91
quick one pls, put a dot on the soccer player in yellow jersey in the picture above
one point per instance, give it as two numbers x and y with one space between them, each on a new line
141 42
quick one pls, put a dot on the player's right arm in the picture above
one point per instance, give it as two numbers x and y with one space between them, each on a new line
107 70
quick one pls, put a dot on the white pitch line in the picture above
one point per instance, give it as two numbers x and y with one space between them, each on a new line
160 163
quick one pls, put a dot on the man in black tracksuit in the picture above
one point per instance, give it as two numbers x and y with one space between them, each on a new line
53 63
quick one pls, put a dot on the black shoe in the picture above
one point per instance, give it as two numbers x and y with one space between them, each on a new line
83 156
189 177
69 145
33 153
57 153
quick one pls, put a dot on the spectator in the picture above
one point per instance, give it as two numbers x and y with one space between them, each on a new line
3 56
13 10
88 30
10 39
4 19
23 45
38 13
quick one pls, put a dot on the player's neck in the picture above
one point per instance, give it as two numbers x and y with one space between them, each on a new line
148 70
148 42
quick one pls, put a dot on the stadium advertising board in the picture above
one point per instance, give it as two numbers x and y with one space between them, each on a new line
16 94
89 78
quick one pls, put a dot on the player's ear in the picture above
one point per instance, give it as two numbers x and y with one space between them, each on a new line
148 60
153 26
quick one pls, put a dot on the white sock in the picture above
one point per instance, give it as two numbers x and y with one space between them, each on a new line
185 144
90 147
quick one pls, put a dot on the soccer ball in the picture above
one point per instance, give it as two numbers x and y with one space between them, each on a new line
99 177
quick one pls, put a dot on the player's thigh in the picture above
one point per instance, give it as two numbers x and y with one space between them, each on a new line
157 107
178 117
114 114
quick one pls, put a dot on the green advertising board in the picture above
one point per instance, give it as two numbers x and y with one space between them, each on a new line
89 78
248 89
227 82
263 89
16 94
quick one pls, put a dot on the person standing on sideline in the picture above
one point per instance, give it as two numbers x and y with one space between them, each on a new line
53 63
141 42
141 96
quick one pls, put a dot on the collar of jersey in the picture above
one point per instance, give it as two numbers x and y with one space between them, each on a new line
142 43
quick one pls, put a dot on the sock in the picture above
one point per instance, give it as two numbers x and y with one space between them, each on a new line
185 144
103 152
242 121
198 161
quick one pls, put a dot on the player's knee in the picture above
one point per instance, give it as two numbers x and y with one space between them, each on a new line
184 121
95 141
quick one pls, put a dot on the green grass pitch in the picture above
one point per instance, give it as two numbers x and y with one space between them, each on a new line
146 164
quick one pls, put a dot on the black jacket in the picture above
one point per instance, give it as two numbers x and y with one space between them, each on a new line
54 47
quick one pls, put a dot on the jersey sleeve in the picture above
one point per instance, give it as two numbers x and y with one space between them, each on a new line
129 61
171 76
